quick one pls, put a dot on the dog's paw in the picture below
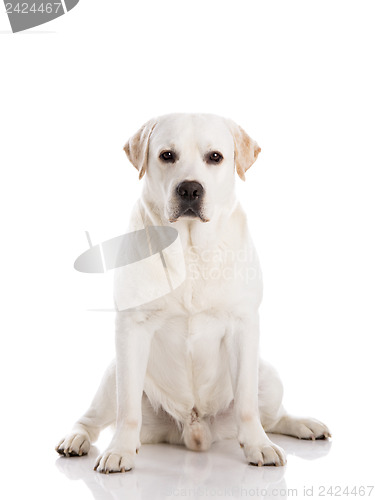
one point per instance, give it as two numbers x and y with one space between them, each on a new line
73 445
114 461
266 453
301 428
310 428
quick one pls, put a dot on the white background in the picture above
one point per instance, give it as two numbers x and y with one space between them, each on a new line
299 77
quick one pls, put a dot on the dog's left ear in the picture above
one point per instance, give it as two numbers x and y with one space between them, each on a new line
137 147
246 150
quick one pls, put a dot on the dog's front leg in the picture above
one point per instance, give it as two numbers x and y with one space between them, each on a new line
242 345
133 339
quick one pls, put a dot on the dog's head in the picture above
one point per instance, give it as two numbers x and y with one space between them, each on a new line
190 162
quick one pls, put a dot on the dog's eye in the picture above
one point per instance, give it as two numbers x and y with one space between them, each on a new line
214 157
168 156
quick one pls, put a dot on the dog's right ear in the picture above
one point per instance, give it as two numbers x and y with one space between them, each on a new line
137 147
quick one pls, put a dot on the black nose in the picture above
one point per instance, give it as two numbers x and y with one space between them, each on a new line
190 191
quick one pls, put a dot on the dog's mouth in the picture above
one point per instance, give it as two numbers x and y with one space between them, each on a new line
190 213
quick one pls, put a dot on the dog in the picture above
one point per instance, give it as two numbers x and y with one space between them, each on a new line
187 368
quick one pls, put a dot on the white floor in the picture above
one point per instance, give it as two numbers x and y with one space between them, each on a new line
166 471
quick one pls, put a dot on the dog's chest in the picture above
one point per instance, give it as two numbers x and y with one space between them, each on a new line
188 361
213 281
188 356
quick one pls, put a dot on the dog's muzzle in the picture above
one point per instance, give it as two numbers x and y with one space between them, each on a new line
190 196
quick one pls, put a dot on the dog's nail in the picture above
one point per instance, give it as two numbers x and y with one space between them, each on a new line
241 445
260 464
312 437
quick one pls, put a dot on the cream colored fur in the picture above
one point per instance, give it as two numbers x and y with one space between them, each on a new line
187 368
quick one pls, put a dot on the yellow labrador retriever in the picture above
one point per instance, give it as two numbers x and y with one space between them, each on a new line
187 368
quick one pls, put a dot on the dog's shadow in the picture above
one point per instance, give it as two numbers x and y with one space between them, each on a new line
164 470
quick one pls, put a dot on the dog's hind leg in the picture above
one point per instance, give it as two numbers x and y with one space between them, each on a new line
274 417
101 413
301 428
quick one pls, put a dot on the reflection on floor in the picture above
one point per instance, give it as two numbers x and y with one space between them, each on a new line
164 471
